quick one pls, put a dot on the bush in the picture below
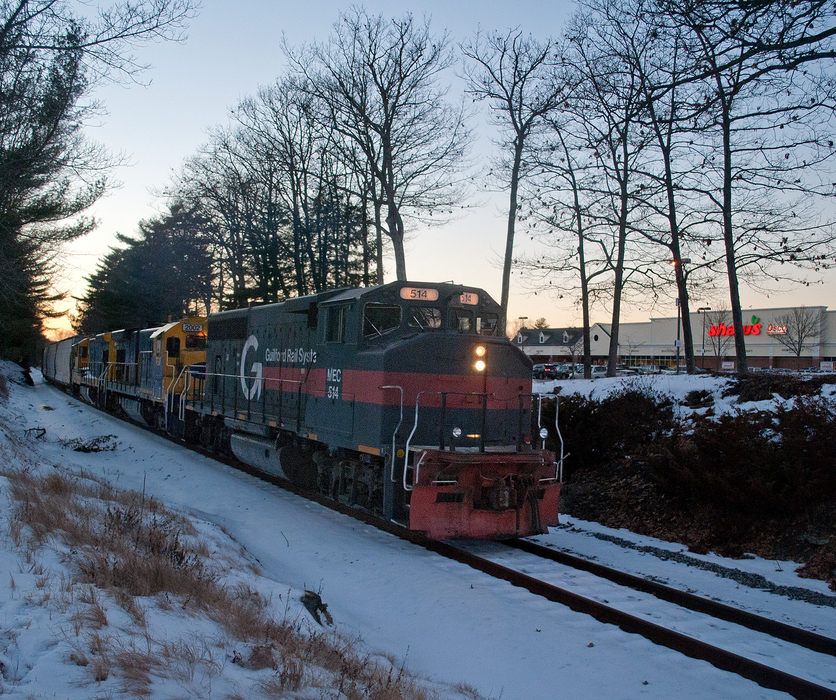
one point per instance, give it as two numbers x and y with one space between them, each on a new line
762 387
600 434
769 465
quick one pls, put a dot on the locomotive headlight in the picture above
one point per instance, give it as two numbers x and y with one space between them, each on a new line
480 351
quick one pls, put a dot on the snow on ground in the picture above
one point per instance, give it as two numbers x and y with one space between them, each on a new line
448 623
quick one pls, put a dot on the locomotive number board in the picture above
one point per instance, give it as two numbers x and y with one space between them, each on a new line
419 293
430 294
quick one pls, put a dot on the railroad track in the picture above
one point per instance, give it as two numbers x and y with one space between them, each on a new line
763 675
795 635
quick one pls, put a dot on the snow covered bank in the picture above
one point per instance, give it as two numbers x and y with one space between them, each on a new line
469 634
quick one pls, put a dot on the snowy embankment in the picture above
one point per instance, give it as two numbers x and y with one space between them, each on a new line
465 634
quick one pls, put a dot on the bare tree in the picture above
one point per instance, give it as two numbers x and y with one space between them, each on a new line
802 327
610 97
719 339
563 166
216 182
658 55
516 75
765 131
379 81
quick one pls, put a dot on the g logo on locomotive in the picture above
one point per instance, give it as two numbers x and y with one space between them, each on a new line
254 391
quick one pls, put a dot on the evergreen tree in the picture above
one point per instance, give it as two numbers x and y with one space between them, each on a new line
165 273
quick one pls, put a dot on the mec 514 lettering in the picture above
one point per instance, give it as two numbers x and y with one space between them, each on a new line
333 380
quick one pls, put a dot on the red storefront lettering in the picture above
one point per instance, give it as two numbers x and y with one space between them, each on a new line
723 329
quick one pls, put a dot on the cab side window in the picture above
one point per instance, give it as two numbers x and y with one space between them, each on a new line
380 318
335 326
172 345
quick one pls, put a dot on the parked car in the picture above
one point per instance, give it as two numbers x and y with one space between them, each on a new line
566 371
543 372
551 371
624 371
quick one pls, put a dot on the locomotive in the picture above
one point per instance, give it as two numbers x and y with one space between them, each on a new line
404 399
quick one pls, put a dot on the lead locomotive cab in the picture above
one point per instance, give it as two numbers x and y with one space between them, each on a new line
404 399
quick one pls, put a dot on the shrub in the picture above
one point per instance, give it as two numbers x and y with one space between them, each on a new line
762 387
598 434
769 465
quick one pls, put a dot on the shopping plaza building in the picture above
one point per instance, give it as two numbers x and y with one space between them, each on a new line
770 335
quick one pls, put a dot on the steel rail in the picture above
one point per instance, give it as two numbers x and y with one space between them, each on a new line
758 623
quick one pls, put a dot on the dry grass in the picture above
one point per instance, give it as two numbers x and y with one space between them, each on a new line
124 548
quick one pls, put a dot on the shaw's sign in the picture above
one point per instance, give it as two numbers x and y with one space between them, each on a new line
723 329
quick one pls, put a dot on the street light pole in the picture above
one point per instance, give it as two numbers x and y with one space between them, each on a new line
678 326
678 263
702 311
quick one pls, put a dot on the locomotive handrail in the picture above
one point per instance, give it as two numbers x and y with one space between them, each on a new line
209 375
181 408
397 428
190 379
415 427
101 380
164 397
558 465
170 391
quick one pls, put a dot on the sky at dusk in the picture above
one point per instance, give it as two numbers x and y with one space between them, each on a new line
232 49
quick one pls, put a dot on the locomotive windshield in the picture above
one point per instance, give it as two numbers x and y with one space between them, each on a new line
465 313
486 323
424 317
195 342
461 320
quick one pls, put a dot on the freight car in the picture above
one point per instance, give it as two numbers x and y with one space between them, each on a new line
404 399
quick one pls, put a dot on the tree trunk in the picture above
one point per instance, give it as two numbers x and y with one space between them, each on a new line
728 238
509 234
